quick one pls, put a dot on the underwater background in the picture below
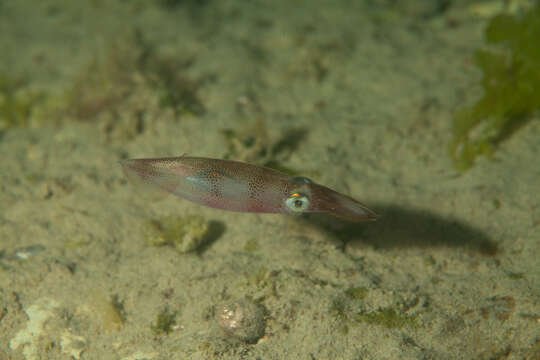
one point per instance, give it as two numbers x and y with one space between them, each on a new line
426 111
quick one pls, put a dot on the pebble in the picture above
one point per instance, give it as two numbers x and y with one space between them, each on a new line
243 320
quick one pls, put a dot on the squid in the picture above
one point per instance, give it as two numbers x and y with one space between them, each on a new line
238 186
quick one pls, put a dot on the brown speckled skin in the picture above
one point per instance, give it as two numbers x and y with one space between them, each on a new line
238 186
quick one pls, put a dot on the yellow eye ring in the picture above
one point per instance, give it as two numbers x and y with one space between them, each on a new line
297 203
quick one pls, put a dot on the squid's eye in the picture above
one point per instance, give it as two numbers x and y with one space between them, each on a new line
297 202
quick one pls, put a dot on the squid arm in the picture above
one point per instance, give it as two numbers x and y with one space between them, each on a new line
237 186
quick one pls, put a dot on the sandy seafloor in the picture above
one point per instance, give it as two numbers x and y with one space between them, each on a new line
451 270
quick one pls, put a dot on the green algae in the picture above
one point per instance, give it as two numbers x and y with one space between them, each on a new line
389 318
515 275
17 102
357 293
252 245
349 310
511 79
165 322
338 309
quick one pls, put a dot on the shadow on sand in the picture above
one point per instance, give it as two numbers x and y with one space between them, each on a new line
404 227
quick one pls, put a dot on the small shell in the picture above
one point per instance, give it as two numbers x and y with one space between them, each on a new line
243 320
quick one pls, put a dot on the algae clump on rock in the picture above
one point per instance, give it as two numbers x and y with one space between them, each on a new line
184 233
511 83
